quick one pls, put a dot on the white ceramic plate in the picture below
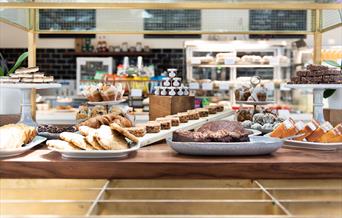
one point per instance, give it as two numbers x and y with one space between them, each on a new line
14 152
313 145
97 153
255 132
106 102
258 145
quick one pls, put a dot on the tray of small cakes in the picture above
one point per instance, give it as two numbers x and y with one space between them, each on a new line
311 135
103 94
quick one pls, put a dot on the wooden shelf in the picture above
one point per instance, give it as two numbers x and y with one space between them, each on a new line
102 54
237 65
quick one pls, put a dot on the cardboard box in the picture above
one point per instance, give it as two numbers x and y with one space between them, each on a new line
334 116
161 106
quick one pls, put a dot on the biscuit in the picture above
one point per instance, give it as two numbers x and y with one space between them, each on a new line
76 139
110 140
61 145
84 130
124 132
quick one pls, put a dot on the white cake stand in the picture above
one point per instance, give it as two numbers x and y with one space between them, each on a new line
318 90
26 89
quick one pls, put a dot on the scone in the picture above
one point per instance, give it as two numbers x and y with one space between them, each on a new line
61 145
89 134
76 139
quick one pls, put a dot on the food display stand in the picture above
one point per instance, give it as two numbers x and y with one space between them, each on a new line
156 181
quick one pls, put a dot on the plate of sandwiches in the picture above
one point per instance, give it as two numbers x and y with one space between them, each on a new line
17 139
27 75
222 138
311 135
107 141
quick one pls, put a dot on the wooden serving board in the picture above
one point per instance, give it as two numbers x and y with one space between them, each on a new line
191 124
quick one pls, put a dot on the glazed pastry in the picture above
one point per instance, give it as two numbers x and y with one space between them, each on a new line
153 127
138 131
334 135
164 123
174 120
193 115
98 110
203 112
285 129
316 135
183 117
307 130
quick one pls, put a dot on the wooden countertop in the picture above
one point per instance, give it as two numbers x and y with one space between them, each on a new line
159 161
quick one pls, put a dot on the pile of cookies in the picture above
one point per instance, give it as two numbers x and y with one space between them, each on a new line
317 74
27 75
85 112
13 136
166 123
97 121
112 137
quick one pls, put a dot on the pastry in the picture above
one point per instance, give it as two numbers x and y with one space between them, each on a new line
193 115
152 127
285 129
110 140
259 118
316 135
13 136
334 135
82 113
243 115
256 126
92 93
96 122
164 123
89 134
247 124
98 110
76 139
211 109
307 130
203 112
138 131
117 128
55 129
183 117
174 120
61 145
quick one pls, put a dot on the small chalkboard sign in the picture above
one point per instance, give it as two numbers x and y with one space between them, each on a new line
277 20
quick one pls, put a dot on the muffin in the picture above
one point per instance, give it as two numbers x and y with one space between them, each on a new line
108 93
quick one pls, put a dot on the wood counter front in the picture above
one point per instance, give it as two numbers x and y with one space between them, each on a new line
159 161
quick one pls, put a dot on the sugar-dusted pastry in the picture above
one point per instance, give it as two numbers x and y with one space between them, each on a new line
165 123
174 120
334 135
183 117
152 127
307 130
110 140
285 129
203 112
316 135
138 131
76 139
193 115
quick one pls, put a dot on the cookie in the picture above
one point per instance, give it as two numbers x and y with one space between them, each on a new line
124 132
109 139
61 145
76 139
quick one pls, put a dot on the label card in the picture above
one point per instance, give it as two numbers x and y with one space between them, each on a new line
207 86
194 86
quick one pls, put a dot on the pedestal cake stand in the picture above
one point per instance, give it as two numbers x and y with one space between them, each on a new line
318 90
26 89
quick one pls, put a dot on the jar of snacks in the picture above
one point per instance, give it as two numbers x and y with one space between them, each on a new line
176 82
163 91
166 82
172 91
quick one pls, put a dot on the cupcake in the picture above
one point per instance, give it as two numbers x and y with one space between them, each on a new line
108 93
92 93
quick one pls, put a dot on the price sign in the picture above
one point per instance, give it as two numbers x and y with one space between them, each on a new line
207 86
194 86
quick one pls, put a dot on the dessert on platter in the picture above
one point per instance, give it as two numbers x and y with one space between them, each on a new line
27 75
16 139
222 138
104 93
317 74
265 121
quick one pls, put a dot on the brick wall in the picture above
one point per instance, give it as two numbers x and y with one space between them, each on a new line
61 65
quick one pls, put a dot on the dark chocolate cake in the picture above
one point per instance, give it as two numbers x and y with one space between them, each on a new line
216 131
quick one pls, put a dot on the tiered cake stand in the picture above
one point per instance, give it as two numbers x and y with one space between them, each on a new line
318 90
26 89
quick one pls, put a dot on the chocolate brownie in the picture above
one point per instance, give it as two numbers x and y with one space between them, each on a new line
316 67
302 72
